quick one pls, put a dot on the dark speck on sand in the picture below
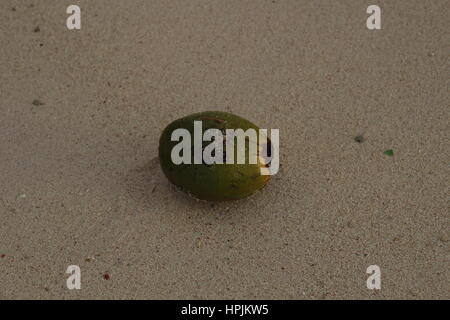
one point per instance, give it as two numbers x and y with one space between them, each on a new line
37 102
359 139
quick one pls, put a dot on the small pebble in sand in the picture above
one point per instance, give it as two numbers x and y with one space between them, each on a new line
359 139
37 29
37 102
2 256
106 276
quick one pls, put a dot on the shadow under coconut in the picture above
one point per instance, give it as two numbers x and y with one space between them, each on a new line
151 190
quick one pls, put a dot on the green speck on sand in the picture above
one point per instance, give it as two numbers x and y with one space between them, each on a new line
389 152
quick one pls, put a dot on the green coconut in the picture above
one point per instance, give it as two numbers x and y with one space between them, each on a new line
213 182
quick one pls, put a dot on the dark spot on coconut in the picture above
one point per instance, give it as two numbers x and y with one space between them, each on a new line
269 148
224 155
216 120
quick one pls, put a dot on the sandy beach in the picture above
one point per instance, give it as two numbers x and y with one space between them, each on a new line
81 112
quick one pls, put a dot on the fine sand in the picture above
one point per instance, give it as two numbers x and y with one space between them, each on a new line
80 117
